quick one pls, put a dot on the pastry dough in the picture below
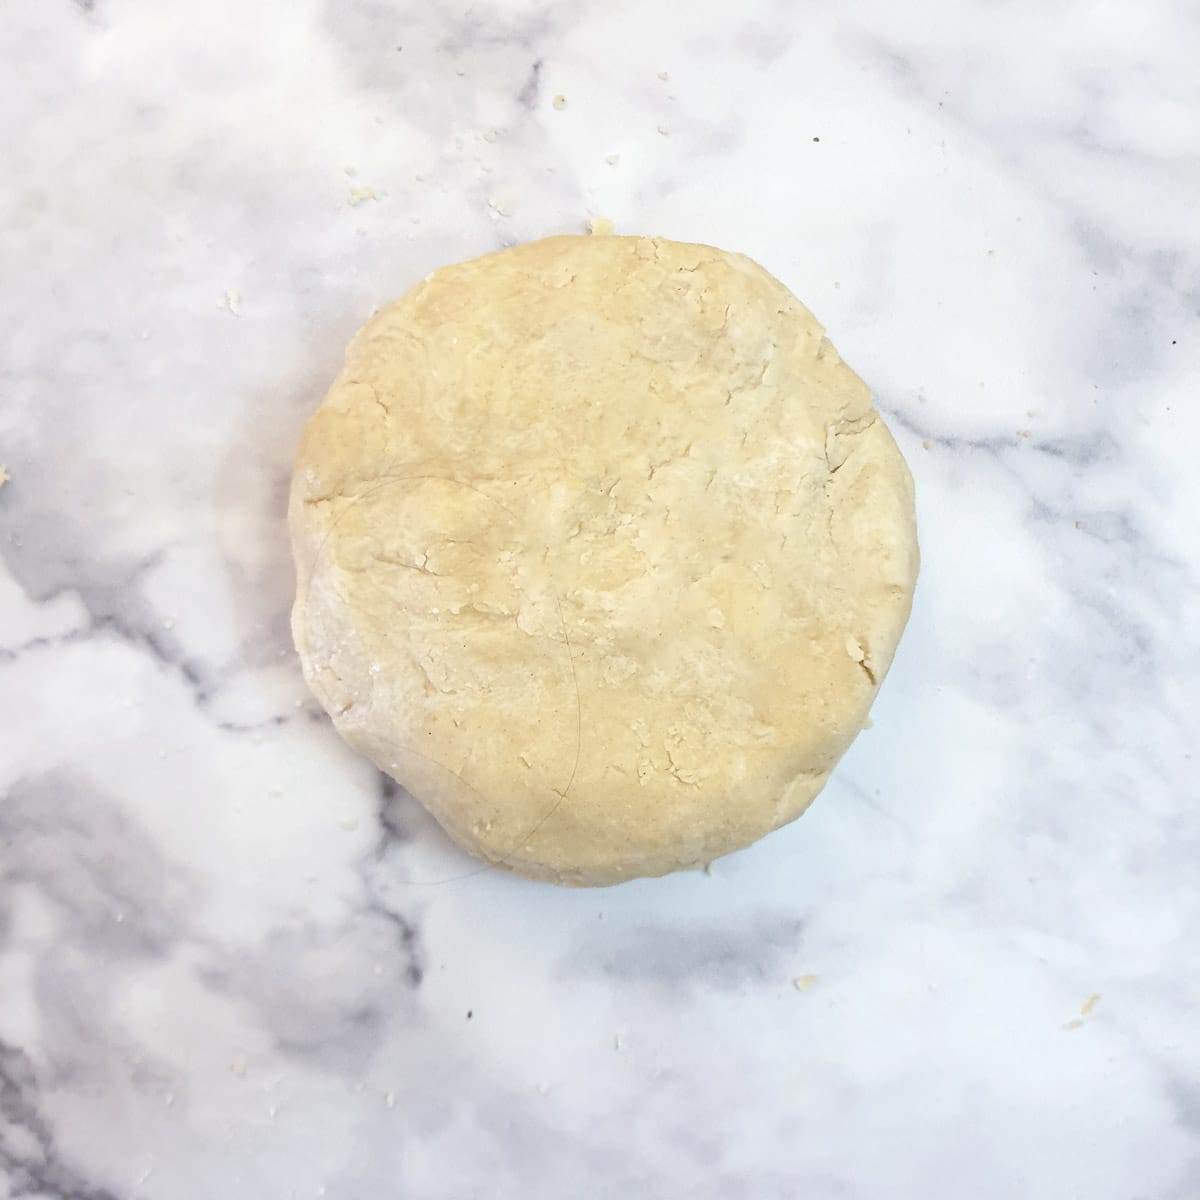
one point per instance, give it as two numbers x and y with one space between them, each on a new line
602 553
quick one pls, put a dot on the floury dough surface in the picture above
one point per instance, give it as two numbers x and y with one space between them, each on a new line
602 553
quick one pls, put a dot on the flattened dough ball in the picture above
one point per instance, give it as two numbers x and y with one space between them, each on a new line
602 553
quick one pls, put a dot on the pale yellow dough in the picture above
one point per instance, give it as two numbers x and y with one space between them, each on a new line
602 553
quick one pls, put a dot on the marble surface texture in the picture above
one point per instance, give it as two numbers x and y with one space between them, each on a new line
234 964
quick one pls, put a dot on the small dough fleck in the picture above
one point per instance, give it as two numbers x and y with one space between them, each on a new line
802 983
360 195
600 226
559 102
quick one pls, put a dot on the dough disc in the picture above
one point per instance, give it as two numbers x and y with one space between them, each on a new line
602 553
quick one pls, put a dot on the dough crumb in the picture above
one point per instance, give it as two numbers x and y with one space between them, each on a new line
663 76
617 1043
708 868
499 207
489 135
665 130
600 226
360 195
390 1099
349 824
613 159
927 444
351 171
559 102
233 301
1085 1010
803 982
4 475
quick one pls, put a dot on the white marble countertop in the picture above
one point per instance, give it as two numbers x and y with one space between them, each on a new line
232 964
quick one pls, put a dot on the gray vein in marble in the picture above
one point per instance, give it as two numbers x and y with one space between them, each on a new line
30 1162
673 959
528 96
